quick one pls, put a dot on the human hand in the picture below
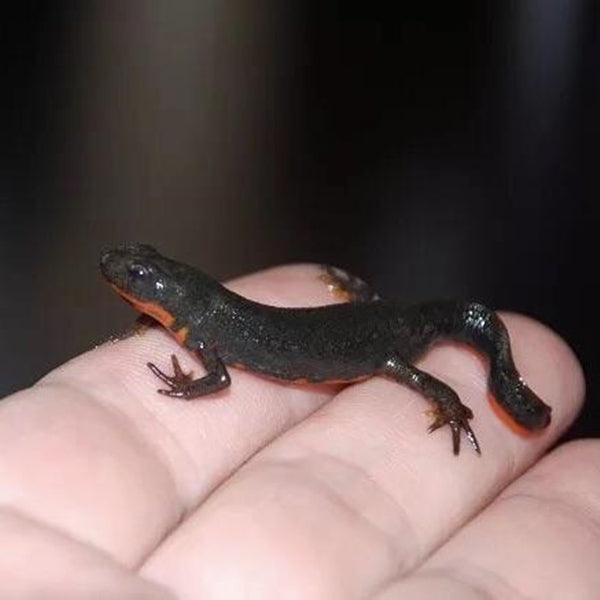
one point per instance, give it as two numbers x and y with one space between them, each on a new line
268 490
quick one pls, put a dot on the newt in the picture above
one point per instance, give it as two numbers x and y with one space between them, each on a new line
344 342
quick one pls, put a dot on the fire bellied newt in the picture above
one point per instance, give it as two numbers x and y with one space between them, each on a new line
336 343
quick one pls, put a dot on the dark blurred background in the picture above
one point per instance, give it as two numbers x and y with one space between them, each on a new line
438 150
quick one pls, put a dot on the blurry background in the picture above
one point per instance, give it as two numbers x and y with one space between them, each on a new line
437 152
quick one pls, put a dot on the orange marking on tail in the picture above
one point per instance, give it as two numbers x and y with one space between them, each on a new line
508 420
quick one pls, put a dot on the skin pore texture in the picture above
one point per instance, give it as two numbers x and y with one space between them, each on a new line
267 490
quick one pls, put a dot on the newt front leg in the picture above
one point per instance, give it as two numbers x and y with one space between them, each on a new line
182 385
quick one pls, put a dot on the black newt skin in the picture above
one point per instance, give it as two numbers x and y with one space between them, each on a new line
340 342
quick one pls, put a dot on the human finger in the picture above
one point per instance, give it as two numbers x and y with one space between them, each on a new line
94 451
539 539
358 492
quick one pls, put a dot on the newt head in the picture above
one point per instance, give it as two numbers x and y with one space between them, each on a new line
153 284
134 272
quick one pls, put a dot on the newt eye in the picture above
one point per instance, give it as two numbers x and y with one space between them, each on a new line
137 271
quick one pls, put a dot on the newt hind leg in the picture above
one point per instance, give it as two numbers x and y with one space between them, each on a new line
447 407
346 286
